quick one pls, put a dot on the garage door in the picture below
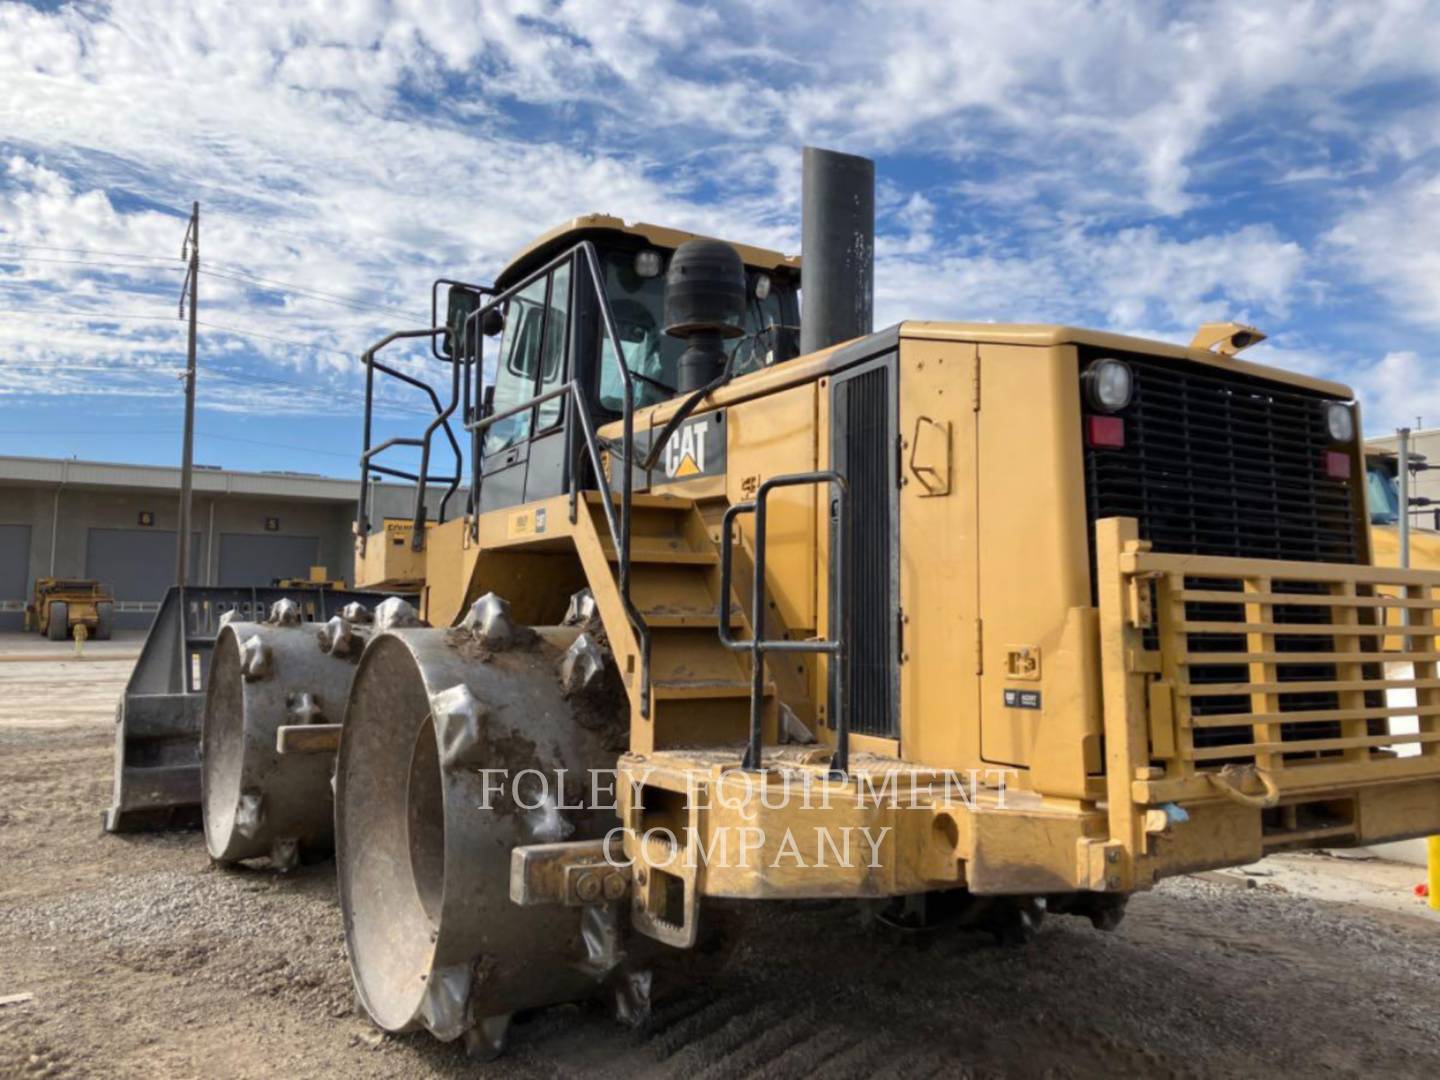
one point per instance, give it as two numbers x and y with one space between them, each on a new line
260 558
14 575
139 564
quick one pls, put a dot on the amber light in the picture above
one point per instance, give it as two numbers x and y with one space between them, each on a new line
1337 465
1105 433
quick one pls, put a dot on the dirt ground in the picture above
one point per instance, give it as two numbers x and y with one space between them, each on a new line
145 961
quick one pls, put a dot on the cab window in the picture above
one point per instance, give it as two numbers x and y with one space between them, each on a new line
1382 494
638 306
532 356
552 364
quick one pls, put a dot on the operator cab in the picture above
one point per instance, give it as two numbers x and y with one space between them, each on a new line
1382 491
552 331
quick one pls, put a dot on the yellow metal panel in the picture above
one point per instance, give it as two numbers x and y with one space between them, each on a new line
388 560
571 232
450 560
768 437
1033 564
1433 847
938 547
1044 335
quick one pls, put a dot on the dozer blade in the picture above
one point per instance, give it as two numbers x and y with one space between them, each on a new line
158 720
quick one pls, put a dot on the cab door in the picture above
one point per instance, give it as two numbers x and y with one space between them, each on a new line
532 360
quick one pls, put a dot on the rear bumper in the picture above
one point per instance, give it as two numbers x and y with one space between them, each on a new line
1258 698
1220 747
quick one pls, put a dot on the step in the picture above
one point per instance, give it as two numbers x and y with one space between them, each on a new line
647 550
643 501
691 620
704 689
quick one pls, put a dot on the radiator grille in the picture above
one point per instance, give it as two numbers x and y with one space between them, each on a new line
1223 463
863 447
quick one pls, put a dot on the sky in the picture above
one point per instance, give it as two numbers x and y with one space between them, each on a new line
1137 167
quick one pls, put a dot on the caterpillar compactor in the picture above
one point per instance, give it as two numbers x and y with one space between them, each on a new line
965 621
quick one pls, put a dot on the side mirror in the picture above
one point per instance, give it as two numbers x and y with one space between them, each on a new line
460 305
492 322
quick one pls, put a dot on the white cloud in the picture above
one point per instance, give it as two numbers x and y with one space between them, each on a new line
365 148
1393 241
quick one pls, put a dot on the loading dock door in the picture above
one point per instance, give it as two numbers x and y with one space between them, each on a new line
255 559
14 575
139 564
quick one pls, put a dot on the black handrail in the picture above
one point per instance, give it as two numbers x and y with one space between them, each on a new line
442 419
571 482
757 646
619 532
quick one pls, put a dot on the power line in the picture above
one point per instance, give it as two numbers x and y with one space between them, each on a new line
272 337
87 317
89 251
17 259
329 394
128 433
232 273
239 274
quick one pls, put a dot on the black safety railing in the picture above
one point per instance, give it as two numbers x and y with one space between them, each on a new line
758 645
583 252
459 371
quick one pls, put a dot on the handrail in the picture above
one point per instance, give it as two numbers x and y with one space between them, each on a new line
442 419
619 532
572 390
757 646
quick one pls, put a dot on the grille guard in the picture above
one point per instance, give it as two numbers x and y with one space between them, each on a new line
1162 633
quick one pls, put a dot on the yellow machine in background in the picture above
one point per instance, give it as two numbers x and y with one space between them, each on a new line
1383 492
972 622
71 607
319 578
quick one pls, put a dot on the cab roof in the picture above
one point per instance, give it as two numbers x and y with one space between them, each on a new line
586 226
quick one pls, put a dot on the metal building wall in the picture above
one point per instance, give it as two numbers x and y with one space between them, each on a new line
15 581
84 519
250 559
138 565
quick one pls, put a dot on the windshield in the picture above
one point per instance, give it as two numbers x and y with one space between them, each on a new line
638 305
1382 494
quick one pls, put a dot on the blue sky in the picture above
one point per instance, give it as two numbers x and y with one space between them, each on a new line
1139 167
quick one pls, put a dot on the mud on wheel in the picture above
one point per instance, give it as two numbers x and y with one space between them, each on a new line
460 745
282 673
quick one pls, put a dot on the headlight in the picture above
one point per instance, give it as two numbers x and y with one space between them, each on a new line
648 263
1109 385
1340 420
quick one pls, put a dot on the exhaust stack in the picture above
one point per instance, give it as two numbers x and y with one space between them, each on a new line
837 284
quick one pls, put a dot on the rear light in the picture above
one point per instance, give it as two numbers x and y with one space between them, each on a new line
1337 465
1107 433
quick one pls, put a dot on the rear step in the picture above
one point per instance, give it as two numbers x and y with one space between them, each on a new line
705 689
690 620
645 549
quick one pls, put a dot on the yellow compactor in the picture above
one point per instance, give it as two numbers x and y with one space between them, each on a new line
71 607
739 599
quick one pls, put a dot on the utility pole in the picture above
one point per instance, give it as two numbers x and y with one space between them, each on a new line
189 249
1403 452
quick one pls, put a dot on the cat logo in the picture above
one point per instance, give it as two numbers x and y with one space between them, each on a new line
696 449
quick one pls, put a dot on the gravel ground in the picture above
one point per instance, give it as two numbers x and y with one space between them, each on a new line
145 961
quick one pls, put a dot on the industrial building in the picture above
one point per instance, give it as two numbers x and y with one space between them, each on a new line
117 524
